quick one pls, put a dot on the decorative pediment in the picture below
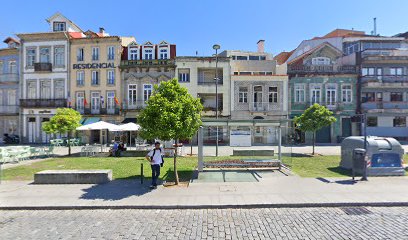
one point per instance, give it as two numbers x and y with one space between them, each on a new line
133 44
163 43
148 43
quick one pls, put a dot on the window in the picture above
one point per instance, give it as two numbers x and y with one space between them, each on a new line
11 97
346 94
396 97
148 54
147 91
321 61
95 102
95 54
372 122
132 91
31 55
44 55
59 56
80 78
111 53
110 100
396 71
1 67
80 96
331 95
400 122
59 26
299 93
31 89
368 97
368 71
80 54
242 58
12 67
253 57
163 53
379 96
111 77
133 53
45 89
59 89
184 75
243 94
315 94
95 78
273 94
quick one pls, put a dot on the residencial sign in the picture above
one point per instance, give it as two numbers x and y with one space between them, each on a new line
93 65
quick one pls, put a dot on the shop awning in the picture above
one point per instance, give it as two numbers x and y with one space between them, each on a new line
129 120
91 120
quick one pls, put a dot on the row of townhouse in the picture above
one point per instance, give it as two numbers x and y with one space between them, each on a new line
111 78
351 73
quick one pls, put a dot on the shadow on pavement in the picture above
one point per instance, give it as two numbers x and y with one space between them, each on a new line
343 182
340 170
116 190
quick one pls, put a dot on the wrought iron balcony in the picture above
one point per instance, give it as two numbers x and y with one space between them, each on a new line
322 69
43 103
9 109
335 106
9 77
147 63
42 67
384 105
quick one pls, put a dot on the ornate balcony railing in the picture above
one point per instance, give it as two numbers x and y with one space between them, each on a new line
43 103
322 69
147 63
9 77
9 109
42 67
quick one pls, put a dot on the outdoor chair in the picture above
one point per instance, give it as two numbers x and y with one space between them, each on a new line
49 151
59 142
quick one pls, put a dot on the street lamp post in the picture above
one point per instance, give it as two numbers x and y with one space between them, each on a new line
216 47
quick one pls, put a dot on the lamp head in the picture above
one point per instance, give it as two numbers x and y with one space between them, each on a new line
216 46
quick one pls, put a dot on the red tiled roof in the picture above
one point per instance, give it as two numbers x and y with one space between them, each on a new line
343 33
283 57
75 34
305 54
9 39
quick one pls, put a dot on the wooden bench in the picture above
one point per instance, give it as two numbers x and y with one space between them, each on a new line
73 176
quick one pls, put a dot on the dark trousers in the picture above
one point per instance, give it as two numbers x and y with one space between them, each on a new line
155 173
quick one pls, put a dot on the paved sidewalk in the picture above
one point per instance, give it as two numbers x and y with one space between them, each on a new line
272 191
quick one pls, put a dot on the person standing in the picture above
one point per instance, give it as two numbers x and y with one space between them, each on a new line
155 157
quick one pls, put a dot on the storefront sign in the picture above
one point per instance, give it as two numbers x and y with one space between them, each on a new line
93 65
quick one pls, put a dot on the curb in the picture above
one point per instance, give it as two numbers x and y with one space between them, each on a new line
228 206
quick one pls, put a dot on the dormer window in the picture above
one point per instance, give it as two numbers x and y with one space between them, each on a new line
59 26
133 52
163 53
12 45
321 61
148 53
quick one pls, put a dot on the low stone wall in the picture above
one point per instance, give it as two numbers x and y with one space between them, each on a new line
258 152
73 176
133 153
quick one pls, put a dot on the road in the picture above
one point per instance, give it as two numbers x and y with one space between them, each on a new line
282 223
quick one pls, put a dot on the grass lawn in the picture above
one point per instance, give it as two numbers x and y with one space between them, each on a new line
129 167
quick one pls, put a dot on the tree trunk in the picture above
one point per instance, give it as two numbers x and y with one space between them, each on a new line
176 178
314 139
69 143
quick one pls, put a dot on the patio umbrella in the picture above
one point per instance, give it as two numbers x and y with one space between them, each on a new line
129 127
101 125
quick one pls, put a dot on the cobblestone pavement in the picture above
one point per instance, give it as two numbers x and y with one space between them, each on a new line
282 223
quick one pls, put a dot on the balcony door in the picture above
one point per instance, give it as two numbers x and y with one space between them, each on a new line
45 89
110 102
80 102
315 94
95 103
44 136
257 96
331 96
31 129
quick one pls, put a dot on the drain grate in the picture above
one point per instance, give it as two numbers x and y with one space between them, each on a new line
356 210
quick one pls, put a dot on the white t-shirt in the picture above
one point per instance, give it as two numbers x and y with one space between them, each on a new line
157 158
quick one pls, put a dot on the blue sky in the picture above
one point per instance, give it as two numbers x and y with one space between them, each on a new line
195 25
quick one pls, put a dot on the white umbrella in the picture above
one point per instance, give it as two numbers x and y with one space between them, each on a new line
101 125
130 127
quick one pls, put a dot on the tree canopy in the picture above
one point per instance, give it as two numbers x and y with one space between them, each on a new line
171 113
64 121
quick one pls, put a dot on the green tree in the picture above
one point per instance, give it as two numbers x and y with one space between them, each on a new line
66 120
171 114
313 119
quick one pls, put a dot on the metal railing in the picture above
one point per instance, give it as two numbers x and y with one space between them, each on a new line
147 62
321 69
335 106
9 109
9 77
39 103
384 105
42 67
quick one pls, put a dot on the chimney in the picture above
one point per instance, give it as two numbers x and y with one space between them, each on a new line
102 30
261 46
